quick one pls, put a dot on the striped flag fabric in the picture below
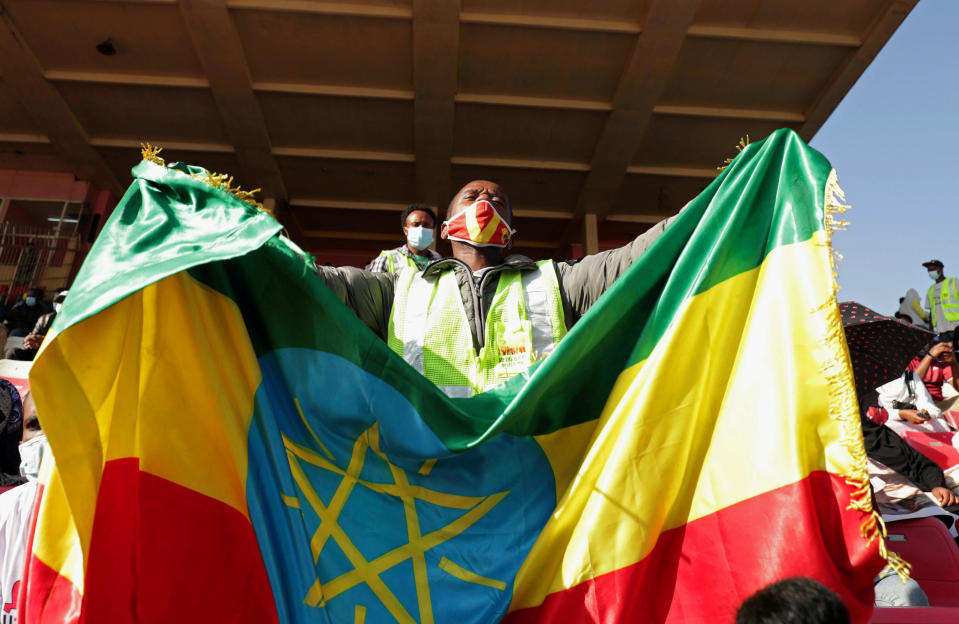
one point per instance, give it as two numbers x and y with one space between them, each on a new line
232 444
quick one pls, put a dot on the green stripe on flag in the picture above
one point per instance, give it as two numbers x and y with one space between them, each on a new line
771 195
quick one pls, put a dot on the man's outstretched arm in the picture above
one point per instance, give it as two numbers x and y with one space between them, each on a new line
368 295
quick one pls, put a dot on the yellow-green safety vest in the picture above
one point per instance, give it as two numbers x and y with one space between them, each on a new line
428 327
394 266
949 299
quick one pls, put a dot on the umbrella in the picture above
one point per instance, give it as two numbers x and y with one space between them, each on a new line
881 347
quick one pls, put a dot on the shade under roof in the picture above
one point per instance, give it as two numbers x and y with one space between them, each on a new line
598 117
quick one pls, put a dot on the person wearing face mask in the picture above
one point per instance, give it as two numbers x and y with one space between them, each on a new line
31 344
418 222
942 298
474 320
24 314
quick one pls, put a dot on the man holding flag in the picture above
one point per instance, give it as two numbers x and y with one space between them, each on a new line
318 476
472 321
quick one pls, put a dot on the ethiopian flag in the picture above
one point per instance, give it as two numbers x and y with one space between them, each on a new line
233 445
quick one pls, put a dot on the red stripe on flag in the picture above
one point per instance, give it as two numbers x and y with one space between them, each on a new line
164 553
702 571
44 596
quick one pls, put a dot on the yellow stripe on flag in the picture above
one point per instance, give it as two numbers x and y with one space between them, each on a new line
179 352
714 416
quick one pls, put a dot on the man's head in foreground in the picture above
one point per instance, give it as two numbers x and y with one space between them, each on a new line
479 224
796 600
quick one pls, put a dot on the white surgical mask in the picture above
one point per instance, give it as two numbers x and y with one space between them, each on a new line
30 301
31 455
419 237
934 275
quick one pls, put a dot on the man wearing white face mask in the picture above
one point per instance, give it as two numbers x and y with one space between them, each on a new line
419 222
942 298
474 320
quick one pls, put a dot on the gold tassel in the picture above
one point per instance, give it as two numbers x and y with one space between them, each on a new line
843 404
151 153
221 181
740 147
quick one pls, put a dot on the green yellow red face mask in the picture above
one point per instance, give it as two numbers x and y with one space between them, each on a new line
480 225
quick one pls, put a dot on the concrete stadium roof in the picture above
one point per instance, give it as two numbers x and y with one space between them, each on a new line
598 117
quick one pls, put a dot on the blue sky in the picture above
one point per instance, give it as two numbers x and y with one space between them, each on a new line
894 141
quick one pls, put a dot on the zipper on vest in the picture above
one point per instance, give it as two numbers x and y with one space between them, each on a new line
480 325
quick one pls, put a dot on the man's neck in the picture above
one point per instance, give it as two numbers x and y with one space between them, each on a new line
942 278
477 258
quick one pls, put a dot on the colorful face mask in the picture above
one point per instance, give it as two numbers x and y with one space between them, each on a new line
480 225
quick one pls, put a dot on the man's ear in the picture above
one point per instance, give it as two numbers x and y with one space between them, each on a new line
444 231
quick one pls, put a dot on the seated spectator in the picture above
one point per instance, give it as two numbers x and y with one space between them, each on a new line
16 506
793 601
34 443
885 447
936 368
11 428
909 405
24 314
31 344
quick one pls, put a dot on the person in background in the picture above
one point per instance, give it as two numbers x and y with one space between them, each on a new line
797 600
419 223
909 405
942 298
910 309
936 368
24 314
33 340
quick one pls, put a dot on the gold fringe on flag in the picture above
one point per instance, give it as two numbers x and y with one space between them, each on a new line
740 147
843 403
221 181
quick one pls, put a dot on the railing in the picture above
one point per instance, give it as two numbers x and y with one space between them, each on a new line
34 256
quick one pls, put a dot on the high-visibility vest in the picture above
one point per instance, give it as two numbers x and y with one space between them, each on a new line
948 298
428 327
396 260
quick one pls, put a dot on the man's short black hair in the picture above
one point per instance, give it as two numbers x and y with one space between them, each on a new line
414 208
796 600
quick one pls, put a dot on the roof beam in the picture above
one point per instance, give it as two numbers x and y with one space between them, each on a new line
518 163
672 172
533 102
636 218
374 93
435 60
218 47
729 113
647 71
322 8
774 36
546 21
854 65
23 74
146 80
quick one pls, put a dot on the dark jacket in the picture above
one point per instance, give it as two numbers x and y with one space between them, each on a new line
581 283
24 317
886 447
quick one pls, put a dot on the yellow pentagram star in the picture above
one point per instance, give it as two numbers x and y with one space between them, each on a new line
415 549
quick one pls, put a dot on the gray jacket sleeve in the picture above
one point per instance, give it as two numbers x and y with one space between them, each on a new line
368 295
583 281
